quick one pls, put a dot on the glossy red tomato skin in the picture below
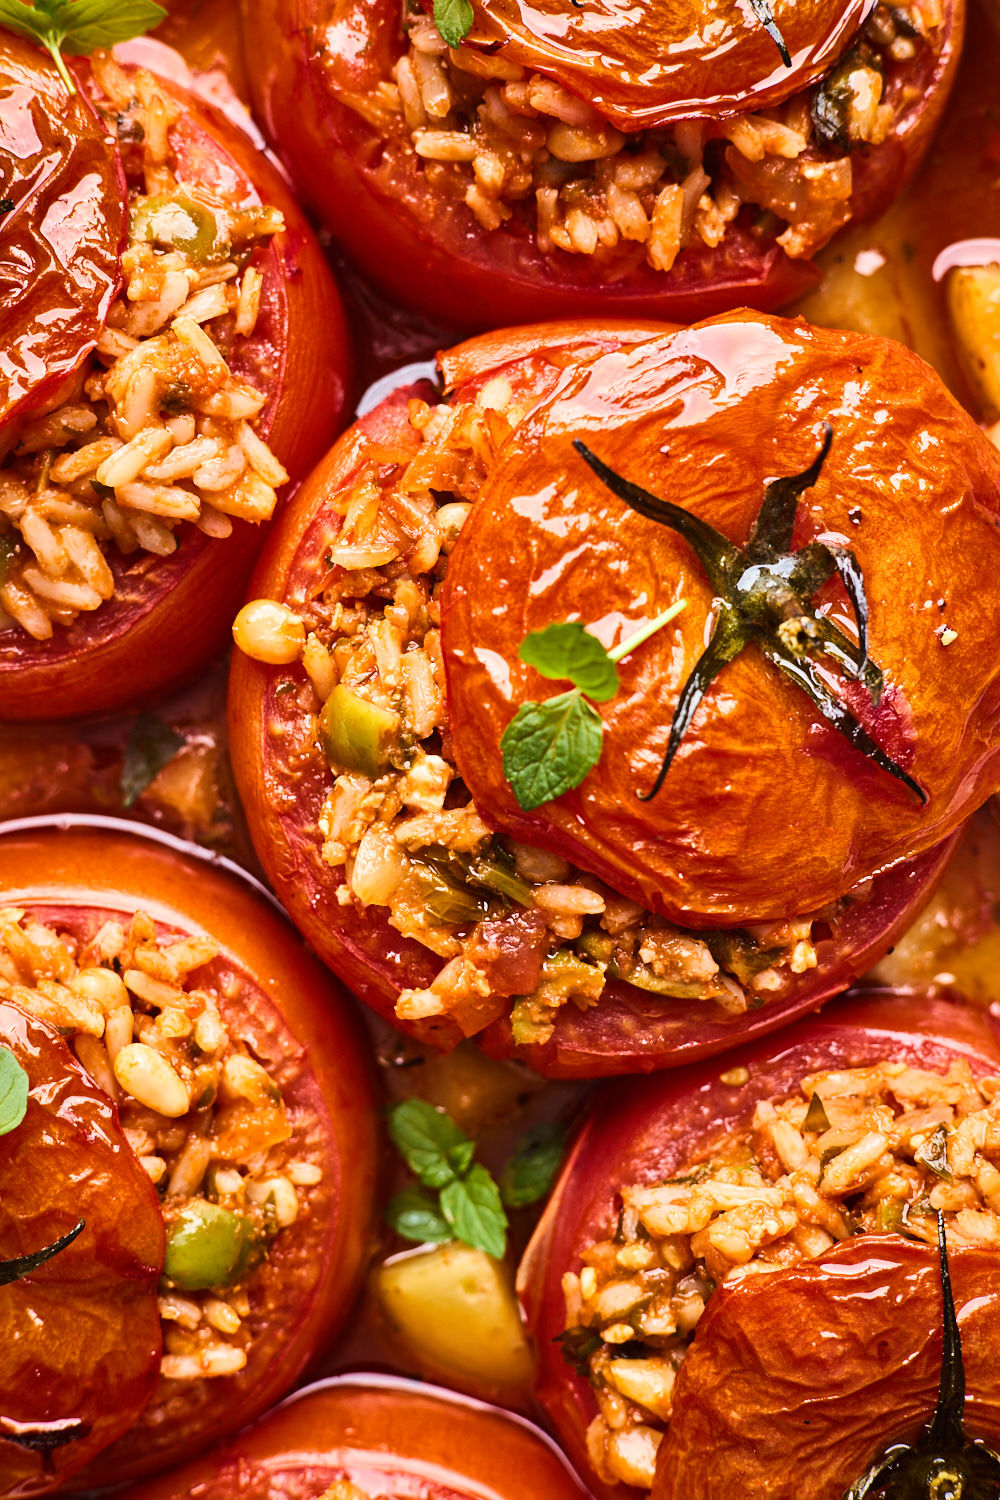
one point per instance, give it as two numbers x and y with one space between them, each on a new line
82 1332
171 615
393 1438
426 251
633 1033
650 1129
306 1029
430 254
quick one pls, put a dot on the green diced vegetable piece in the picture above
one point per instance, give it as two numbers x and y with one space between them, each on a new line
739 953
933 1154
597 945
890 1216
207 1246
8 552
816 1116
446 901
180 224
357 735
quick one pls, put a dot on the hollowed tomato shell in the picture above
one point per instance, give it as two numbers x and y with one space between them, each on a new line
81 1334
629 1031
170 615
394 1439
425 249
648 1130
304 1029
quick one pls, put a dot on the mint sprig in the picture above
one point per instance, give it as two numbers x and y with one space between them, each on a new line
13 1091
79 27
150 746
528 1175
453 19
548 748
440 1155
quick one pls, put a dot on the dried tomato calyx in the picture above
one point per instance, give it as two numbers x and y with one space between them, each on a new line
943 1464
23 1265
763 591
765 16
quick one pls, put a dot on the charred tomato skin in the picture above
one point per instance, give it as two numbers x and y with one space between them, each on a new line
390 1437
647 1130
82 1332
170 615
428 252
628 1032
303 1027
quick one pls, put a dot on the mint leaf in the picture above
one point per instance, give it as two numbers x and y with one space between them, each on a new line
429 1141
548 748
414 1214
78 26
13 1091
151 745
528 1175
568 650
453 19
473 1209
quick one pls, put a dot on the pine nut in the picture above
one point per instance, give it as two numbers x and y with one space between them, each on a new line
148 1077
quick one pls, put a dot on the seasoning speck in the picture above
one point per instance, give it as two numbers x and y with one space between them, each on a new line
946 635
735 1078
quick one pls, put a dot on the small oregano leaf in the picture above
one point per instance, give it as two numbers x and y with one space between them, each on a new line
151 745
453 19
13 1091
549 747
568 650
473 1209
528 1175
414 1214
425 1137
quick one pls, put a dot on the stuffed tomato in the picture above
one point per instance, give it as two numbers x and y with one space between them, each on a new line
735 1289
242 1086
565 160
81 1253
378 713
176 352
373 1437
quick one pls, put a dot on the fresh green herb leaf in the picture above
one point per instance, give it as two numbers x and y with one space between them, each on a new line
569 651
151 745
816 1116
13 1091
414 1214
429 1141
453 19
473 1209
548 748
528 1175
578 1344
23 1265
933 1154
77 27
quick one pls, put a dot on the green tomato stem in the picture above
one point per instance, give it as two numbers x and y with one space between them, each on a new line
64 72
646 631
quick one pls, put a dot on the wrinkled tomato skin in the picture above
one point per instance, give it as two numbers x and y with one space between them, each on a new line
627 1032
392 1438
305 1029
170 615
647 1130
429 253
63 234
81 1334
797 1383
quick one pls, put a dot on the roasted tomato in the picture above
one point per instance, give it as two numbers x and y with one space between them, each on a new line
134 488
81 1345
345 743
819 1158
240 1076
468 184
373 1437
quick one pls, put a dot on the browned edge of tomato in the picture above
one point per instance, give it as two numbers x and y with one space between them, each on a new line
170 615
302 1293
427 251
651 1129
390 1437
628 1031
80 1353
